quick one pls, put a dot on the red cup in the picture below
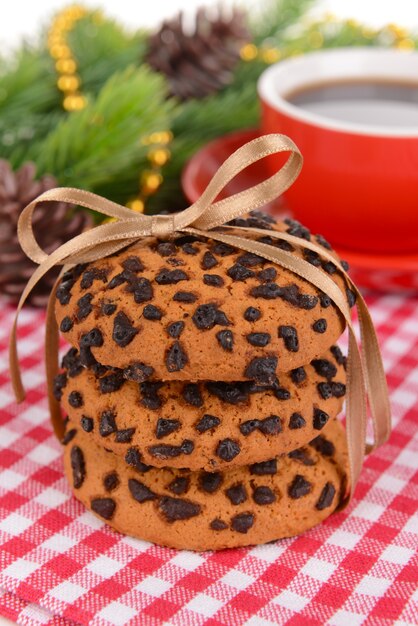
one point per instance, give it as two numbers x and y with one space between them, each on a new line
359 183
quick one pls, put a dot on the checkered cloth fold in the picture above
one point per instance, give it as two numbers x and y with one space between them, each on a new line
60 564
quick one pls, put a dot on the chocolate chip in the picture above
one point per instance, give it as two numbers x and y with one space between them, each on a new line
87 423
324 368
324 390
242 522
298 375
297 229
93 338
208 261
66 324
105 507
249 427
338 356
107 308
207 422
91 274
329 267
179 485
320 325
312 257
166 248
125 435
264 468
345 265
192 395
69 435
278 243
225 339
175 262
323 446
123 331
207 316
325 300
170 277
269 426
184 296
175 358
320 418
338 390
141 288
232 393
138 372
290 336
249 259
323 242
166 427
75 399
188 248
71 362
290 293
112 382
133 264
63 293
107 424
296 421
178 509
267 275
133 458
60 382
252 314
78 466
300 455
263 495
165 452
227 449
236 494
223 249
281 393
326 497
150 398
210 481
111 481
299 487
239 273
262 370
117 280
84 306
175 329
351 297
213 280
218 524
139 491
152 312
259 339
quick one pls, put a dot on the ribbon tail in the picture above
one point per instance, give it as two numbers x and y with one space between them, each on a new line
51 361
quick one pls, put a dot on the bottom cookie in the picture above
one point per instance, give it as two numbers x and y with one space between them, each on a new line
241 506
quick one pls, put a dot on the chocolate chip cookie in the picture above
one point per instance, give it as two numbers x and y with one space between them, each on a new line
206 424
241 506
194 309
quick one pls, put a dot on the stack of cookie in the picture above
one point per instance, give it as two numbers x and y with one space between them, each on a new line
202 391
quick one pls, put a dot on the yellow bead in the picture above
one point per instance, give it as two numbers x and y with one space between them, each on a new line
159 156
150 182
397 31
68 83
248 52
66 66
405 44
166 136
136 205
59 51
74 102
270 55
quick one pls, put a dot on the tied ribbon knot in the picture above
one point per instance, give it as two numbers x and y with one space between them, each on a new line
365 374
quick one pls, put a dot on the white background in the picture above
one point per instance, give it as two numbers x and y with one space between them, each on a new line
23 17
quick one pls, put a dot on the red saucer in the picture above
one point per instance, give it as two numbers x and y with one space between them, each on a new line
381 272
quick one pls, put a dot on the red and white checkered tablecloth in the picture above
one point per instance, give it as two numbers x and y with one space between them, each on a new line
60 564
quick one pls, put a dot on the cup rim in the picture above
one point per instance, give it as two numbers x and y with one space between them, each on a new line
270 94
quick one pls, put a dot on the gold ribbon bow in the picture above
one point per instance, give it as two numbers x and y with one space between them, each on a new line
365 375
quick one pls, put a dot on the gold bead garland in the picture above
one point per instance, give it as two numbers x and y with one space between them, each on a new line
68 81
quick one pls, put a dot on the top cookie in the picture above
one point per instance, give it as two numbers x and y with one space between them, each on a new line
195 309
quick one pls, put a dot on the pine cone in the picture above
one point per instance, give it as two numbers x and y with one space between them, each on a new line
199 63
54 223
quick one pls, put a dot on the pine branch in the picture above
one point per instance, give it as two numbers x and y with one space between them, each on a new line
275 17
93 147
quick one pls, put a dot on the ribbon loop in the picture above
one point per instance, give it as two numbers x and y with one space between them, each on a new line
365 375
